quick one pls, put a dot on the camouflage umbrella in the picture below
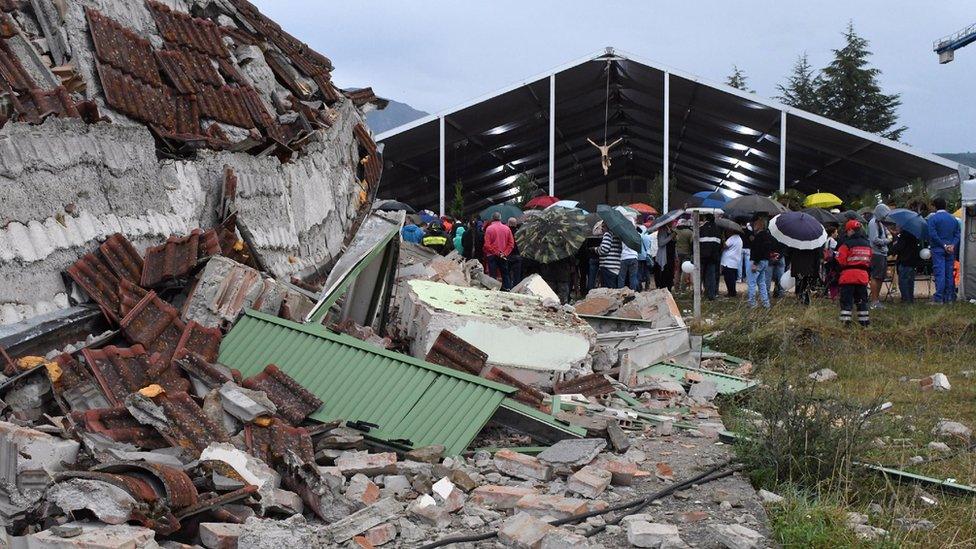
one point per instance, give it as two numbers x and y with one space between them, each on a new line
554 234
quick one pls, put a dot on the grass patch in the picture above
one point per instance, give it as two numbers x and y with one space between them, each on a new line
803 521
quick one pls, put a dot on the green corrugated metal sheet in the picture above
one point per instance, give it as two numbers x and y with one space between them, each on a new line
408 398
727 384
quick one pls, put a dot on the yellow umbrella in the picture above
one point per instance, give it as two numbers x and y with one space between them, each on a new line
958 213
822 200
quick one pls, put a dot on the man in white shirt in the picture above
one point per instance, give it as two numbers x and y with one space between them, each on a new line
731 260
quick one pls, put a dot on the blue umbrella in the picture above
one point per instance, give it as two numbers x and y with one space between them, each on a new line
428 217
909 221
707 199
798 230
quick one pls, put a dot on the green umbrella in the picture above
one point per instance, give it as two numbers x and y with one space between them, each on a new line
554 234
619 225
507 210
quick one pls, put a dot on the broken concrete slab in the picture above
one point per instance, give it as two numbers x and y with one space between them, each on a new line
522 466
39 451
571 454
351 463
523 531
111 504
382 511
220 535
251 469
589 482
548 505
536 286
736 536
92 535
500 324
245 404
641 533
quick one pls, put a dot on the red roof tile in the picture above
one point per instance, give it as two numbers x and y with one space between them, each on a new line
11 71
269 443
224 104
370 158
155 324
181 28
177 256
201 369
177 69
588 385
361 96
188 427
151 509
202 341
122 48
121 371
99 282
130 295
294 402
136 99
197 66
452 351
259 114
75 388
179 491
119 425
122 257
305 58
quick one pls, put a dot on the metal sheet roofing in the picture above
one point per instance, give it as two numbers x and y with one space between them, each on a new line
719 138
410 400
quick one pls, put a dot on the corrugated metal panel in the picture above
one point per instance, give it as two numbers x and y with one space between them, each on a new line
727 384
409 399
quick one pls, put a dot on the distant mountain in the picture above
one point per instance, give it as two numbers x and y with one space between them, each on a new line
394 115
968 159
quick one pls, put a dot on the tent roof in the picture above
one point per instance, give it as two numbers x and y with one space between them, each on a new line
720 138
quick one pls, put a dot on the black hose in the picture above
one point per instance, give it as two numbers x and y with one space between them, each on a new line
640 503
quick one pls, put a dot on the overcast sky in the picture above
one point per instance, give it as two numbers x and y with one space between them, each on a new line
434 54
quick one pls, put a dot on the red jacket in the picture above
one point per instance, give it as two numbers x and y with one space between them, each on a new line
854 258
499 239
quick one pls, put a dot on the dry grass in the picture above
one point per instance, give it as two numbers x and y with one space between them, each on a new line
904 343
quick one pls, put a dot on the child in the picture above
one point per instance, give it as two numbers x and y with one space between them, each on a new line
854 259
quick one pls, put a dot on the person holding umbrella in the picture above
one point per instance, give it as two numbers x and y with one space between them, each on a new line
906 249
731 260
710 239
609 252
762 247
854 257
880 238
552 241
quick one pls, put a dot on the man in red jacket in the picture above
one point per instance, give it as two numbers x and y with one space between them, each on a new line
499 243
854 258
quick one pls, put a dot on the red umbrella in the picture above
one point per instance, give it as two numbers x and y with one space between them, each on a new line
541 202
643 208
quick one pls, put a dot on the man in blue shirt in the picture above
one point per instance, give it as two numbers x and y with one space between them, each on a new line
944 234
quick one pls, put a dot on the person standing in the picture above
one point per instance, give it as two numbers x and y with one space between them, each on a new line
731 261
609 252
906 249
458 237
805 266
437 240
515 261
682 249
591 257
777 266
499 243
855 258
559 276
647 256
710 251
831 269
762 246
746 252
880 238
945 234
664 263
472 241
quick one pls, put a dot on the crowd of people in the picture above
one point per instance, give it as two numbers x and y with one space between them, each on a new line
850 267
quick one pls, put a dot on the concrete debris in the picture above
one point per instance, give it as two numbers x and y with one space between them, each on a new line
107 536
935 382
522 466
736 536
568 455
589 482
823 374
641 533
111 504
655 306
524 531
952 430
251 469
535 285
245 404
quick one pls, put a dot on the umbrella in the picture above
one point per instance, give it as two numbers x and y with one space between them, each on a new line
507 210
822 200
565 204
823 216
666 219
728 225
552 235
541 202
798 230
643 208
627 211
393 206
428 216
706 199
910 221
851 214
619 225
752 205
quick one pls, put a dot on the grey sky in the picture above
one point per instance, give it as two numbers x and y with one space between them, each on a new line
434 54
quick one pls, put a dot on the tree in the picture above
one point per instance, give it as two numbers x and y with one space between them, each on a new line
801 87
738 79
527 188
655 193
791 198
457 204
850 93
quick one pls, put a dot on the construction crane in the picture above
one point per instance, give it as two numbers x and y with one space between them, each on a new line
946 47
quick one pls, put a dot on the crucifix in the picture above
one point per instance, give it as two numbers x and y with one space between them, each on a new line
605 153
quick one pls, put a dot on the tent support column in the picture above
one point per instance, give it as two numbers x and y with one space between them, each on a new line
442 167
666 174
782 151
552 135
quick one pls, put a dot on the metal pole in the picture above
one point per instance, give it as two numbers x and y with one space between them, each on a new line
696 259
552 135
782 151
667 138
442 167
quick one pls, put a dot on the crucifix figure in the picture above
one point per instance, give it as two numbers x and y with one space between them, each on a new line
605 153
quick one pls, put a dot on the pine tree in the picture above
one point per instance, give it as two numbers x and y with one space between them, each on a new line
738 79
526 189
850 93
457 204
801 86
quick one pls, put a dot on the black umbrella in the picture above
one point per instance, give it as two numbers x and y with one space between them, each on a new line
728 225
394 206
753 204
798 230
851 214
822 215
666 219
622 227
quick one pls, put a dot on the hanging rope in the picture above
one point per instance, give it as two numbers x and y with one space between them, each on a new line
606 110
605 148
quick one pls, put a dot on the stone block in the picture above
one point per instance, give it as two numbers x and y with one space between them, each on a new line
522 466
381 535
935 382
102 536
523 531
589 482
351 463
571 454
546 505
641 533
499 497
362 491
736 536
220 535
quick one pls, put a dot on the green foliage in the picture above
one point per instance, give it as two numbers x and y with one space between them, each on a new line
527 188
818 523
849 90
456 210
655 192
738 79
869 199
801 88
792 199
915 197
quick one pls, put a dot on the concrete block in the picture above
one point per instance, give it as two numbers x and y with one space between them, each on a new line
381 535
448 495
220 535
535 285
647 534
102 536
736 536
546 505
427 509
560 538
935 382
382 511
521 466
523 531
589 482
39 451
351 463
501 324
499 497
362 491
571 454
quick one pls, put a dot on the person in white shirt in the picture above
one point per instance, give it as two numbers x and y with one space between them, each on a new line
731 259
